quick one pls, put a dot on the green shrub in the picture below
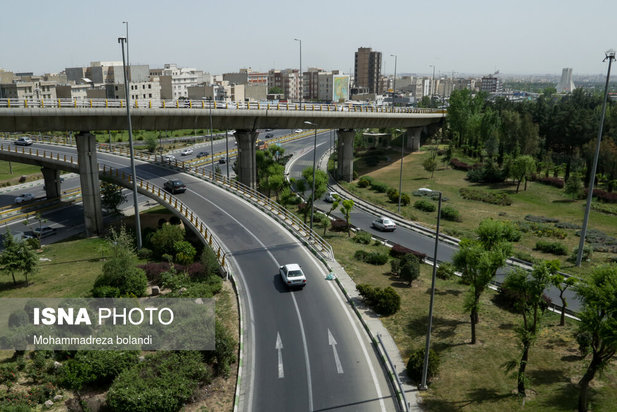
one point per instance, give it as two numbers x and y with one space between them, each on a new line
383 301
224 353
162 382
587 252
95 367
379 187
163 240
362 237
34 243
209 262
409 269
106 292
392 194
501 199
8 374
424 205
415 365
445 271
450 213
405 199
365 181
144 253
373 258
554 248
184 252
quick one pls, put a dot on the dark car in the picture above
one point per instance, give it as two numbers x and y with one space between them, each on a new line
202 154
269 136
222 160
175 186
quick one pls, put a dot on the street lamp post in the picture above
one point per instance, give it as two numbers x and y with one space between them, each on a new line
211 144
122 40
432 83
227 152
610 56
430 310
394 84
400 176
300 73
314 167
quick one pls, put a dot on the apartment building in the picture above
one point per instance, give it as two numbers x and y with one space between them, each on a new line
367 70
288 80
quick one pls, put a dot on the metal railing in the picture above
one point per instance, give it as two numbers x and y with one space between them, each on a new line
206 104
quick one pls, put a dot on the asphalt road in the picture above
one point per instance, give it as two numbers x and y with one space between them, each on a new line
311 377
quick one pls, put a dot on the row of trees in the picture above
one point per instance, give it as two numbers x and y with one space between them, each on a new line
552 130
478 260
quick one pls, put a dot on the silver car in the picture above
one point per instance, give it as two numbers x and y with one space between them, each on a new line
384 224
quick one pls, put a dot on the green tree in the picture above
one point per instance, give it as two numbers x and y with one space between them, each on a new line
185 252
17 257
275 90
151 143
430 163
163 239
522 167
478 261
574 185
598 326
111 196
529 292
321 185
562 283
346 206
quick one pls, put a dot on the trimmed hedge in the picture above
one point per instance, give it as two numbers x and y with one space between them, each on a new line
424 205
398 251
445 271
415 365
385 302
362 237
365 181
373 258
603 195
379 187
551 181
487 197
338 225
554 248
458 165
450 213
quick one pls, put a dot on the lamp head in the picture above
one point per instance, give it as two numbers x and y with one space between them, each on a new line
610 54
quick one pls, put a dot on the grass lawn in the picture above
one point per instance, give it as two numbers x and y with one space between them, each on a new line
19 169
537 200
470 377
70 271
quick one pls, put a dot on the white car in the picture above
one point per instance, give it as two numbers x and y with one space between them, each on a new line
169 158
330 197
186 152
23 141
292 275
384 224
298 131
26 197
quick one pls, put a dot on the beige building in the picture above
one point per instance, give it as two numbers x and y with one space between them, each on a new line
287 80
223 92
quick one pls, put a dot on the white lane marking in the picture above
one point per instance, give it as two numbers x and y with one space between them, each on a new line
337 361
306 356
279 348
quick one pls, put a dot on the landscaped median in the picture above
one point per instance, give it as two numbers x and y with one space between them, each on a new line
472 377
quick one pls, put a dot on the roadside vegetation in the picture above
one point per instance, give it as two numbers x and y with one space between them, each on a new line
122 380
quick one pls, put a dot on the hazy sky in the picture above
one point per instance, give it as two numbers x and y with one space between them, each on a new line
464 36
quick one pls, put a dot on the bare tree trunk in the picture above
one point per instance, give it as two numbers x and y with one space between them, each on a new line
473 316
584 383
562 320
521 370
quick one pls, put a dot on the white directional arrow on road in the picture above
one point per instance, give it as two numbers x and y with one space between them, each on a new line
279 348
337 361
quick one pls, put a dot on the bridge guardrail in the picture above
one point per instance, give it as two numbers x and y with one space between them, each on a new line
206 104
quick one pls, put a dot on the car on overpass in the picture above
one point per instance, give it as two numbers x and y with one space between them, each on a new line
25 197
186 152
175 186
292 275
202 154
23 141
169 158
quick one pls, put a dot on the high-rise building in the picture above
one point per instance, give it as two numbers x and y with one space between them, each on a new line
287 80
490 84
367 70
566 85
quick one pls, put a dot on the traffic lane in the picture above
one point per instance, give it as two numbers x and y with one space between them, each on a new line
353 378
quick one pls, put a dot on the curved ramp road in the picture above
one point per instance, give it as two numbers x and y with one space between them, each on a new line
304 350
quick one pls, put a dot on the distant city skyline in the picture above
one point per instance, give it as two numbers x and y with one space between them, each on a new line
474 37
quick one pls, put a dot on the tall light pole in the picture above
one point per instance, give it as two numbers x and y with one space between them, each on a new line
314 167
610 56
430 309
122 40
394 89
127 46
227 152
211 144
300 73
400 176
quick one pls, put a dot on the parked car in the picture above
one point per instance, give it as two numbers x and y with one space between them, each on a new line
186 152
330 197
23 141
44 231
292 275
175 186
384 224
202 154
26 197
169 158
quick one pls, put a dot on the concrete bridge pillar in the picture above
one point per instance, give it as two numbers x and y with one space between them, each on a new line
413 138
345 154
246 165
89 179
53 188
